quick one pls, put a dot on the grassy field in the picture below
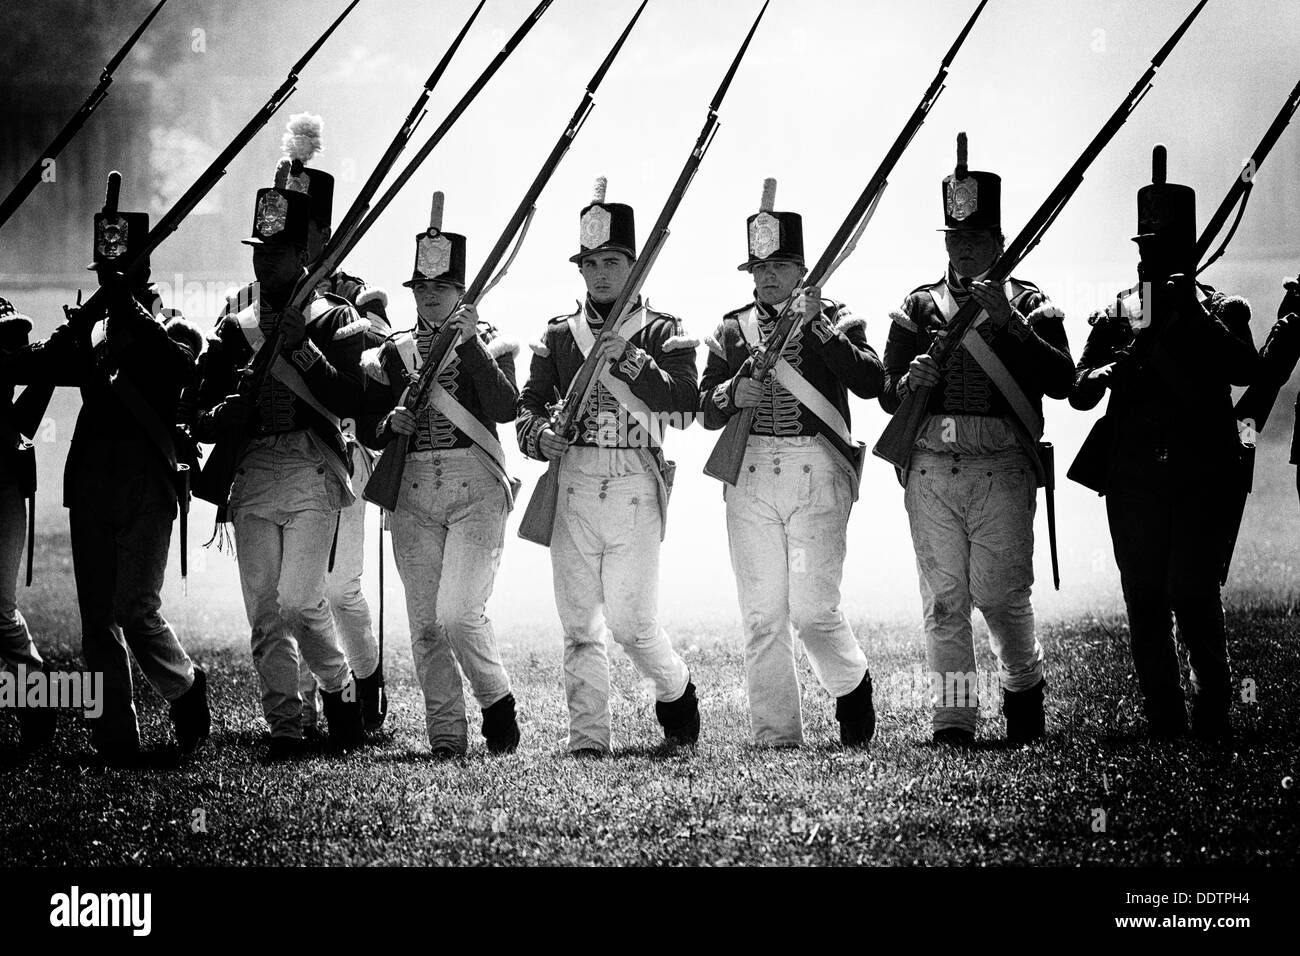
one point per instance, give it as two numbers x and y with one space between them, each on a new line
903 802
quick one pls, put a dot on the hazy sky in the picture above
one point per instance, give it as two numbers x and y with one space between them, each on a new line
824 90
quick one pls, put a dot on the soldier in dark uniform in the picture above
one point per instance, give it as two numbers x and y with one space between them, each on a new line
614 482
293 473
301 141
1165 453
18 422
787 533
119 489
449 524
972 479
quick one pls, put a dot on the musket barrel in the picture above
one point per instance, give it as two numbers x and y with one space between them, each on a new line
32 178
1245 177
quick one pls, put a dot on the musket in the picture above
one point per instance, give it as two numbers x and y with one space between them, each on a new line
32 178
899 436
222 463
1239 193
386 480
174 216
436 137
348 225
539 517
729 452
1256 404
1277 360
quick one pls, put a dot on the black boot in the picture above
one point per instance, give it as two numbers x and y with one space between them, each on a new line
857 715
680 718
286 748
374 700
500 728
36 725
954 737
191 718
343 715
1023 710
1210 719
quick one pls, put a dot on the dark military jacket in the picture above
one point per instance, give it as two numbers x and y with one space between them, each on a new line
831 352
112 462
329 361
659 369
1033 346
1170 412
480 375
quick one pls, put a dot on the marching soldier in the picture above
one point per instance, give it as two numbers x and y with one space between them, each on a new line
972 479
788 514
449 526
613 481
301 141
292 477
120 484
18 422
1164 453
1288 327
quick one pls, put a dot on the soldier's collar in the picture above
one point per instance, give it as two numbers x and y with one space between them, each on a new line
954 283
588 309
769 312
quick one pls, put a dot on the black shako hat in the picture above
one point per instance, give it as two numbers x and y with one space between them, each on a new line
972 199
605 225
119 236
438 255
281 214
773 236
302 141
1166 211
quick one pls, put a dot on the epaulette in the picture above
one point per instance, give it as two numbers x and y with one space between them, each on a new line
926 287
900 318
714 342
851 321
500 346
1230 308
372 365
1047 309
539 347
355 325
1027 286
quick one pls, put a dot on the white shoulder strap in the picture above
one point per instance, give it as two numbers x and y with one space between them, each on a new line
286 373
636 409
988 360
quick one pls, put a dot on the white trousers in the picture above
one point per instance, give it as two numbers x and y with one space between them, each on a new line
972 519
448 531
605 563
347 600
786 521
284 505
16 645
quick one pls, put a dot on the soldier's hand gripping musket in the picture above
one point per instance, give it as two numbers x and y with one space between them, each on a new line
385 482
899 437
729 452
539 516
